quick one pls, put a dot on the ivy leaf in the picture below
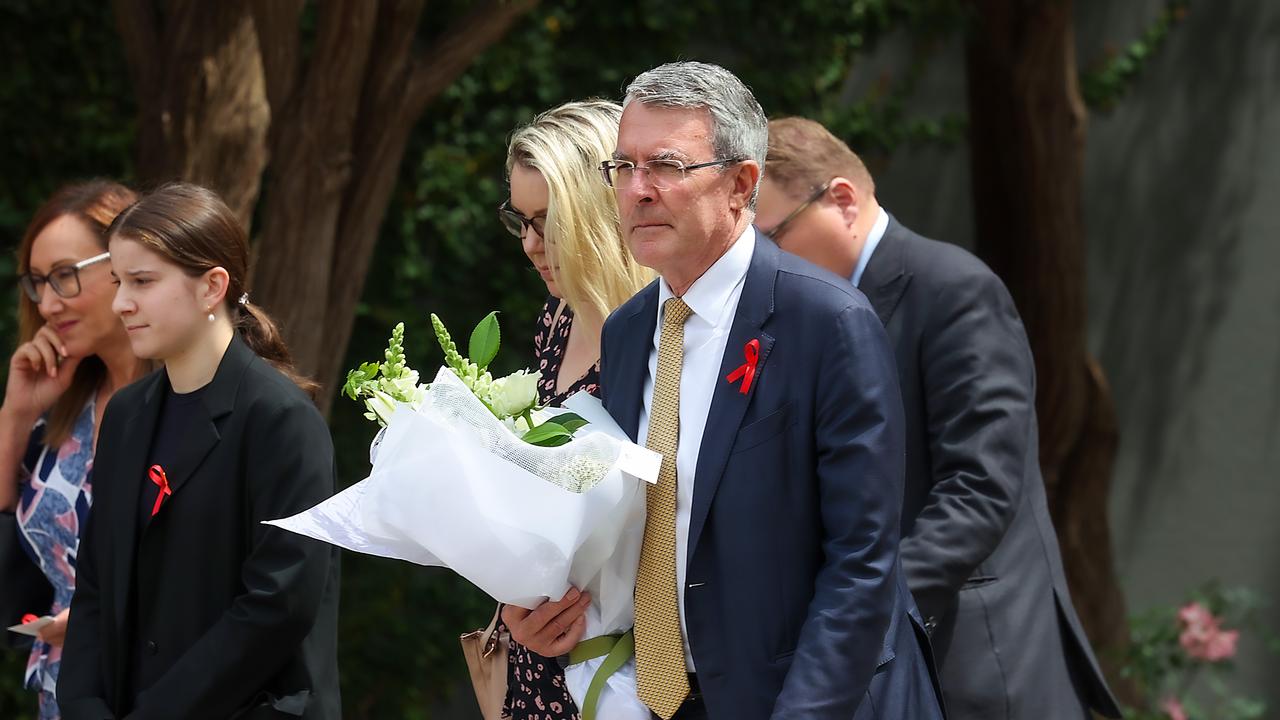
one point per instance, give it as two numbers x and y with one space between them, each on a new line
548 434
485 340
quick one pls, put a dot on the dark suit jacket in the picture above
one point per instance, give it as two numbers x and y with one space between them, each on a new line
978 546
233 616
795 603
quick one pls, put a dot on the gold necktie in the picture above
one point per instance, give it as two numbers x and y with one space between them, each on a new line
662 679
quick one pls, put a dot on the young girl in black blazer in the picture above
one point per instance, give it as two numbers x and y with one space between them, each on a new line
186 605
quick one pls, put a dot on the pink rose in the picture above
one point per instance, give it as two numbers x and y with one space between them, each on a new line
1197 616
1202 637
1173 709
1222 645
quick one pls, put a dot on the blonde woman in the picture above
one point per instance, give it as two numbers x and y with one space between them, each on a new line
567 222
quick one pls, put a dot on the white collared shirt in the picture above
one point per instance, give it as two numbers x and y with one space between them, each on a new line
714 301
873 239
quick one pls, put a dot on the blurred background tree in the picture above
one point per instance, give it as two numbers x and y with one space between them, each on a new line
364 142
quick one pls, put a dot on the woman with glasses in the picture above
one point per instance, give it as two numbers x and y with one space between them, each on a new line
74 354
567 222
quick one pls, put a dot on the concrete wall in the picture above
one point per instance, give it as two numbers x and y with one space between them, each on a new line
1182 211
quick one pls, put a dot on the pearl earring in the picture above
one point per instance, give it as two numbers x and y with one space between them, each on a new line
211 317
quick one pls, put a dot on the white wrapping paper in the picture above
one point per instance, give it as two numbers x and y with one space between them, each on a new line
440 494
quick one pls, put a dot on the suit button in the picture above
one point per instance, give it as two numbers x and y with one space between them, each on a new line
152 647
930 624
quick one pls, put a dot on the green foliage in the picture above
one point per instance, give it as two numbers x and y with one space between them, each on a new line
485 340
1104 84
67 113
571 422
548 434
359 379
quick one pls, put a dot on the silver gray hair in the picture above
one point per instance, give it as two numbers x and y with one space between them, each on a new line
739 128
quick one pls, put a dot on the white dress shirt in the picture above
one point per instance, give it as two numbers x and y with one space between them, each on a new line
873 239
714 301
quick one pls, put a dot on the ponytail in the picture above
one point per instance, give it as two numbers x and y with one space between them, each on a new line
260 333
193 228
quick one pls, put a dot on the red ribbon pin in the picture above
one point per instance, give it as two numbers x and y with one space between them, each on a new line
159 478
747 370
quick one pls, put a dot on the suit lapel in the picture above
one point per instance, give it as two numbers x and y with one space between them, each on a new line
625 391
728 404
885 279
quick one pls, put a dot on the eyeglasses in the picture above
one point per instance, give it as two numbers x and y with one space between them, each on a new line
662 174
777 230
64 280
515 223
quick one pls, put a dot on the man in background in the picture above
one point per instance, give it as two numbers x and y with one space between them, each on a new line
978 547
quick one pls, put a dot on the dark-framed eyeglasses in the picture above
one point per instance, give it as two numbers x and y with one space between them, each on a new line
64 280
662 174
777 230
515 223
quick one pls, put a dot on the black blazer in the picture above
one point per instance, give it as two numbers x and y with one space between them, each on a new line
234 618
978 547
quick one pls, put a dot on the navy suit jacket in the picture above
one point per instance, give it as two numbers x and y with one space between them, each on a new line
795 603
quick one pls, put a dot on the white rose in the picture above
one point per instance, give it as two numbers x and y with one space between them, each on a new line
512 395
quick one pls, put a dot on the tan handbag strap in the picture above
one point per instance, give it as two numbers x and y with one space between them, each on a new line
493 624
489 636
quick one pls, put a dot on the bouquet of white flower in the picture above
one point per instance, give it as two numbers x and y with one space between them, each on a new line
522 501
512 399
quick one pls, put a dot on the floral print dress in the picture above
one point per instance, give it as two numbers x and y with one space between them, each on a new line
54 500
535 685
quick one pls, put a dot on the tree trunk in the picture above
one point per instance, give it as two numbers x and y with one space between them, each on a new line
222 91
398 87
1027 128
202 107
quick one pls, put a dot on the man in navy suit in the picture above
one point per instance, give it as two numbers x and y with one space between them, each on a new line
978 548
769 582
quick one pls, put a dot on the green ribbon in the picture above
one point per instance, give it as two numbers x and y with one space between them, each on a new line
616 650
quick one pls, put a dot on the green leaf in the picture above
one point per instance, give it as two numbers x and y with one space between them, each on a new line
569 421
548 434
358 378
485 340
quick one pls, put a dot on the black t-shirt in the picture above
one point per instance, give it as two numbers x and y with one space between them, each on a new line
180 413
